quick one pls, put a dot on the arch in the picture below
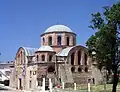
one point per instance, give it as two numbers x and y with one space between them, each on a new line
27 51
50 58
43 57
72 58
67 41
79 57
59 40
85 59
49 40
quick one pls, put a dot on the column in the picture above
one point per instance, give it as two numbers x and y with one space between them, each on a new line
46 40
71 40
50 84
82 57
88 60
36 83
54 39
63 85
63 39
43 85
88 87
74 86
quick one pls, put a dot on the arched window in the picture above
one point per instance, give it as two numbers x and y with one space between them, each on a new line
43 40
21 58
72 59
50 58
50 40
67 41
43 57
79 57
59 40
37 58
85 59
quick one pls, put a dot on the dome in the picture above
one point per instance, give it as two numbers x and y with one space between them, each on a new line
58 28
45 48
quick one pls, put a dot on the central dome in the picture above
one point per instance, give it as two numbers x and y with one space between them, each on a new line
58 28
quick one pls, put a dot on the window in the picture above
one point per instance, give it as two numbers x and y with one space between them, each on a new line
50 40
59 40
34 73
72 59
30 74
79 57
67 41
21 58
43 57
30 84
43 41
50 58
37 58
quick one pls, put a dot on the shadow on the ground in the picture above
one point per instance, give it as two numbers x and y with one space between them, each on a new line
3 88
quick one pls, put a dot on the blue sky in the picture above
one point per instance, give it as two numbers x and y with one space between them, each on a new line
22 21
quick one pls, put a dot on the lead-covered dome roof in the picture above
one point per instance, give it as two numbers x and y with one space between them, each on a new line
45 48
58 28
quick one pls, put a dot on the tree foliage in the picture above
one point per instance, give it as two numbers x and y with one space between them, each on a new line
105 40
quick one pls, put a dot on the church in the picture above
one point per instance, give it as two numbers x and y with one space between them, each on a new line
58 58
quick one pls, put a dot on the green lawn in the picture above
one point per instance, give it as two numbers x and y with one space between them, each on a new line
98 88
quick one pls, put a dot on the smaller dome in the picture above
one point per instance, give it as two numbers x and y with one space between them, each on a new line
45 48
58 28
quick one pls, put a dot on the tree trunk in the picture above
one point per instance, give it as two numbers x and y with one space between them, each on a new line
115 81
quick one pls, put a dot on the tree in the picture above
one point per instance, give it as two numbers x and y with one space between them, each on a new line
106 40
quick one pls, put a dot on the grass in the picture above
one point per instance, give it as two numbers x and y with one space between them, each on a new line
97 88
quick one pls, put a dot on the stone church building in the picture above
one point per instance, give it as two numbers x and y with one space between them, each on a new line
58 58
